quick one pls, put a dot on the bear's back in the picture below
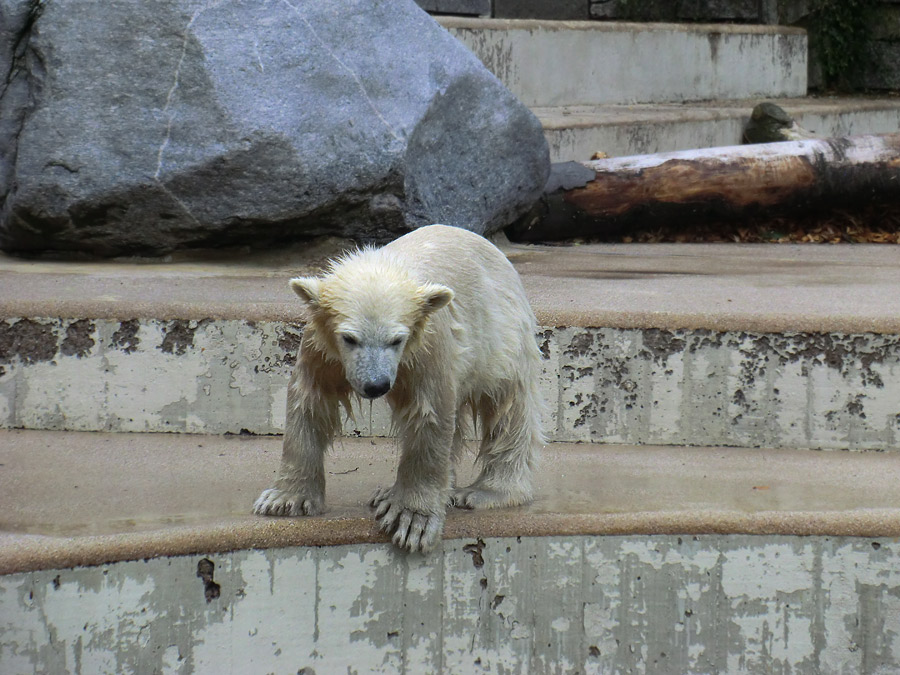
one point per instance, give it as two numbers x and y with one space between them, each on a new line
455 257
490 317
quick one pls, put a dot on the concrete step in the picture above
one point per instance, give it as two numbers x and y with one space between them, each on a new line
136 553
575 133
743 345
86 498
560 63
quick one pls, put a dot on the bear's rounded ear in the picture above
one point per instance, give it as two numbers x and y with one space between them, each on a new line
308 289
433 297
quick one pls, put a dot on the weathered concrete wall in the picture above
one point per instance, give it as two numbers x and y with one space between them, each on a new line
145 375
713 604
706 388
620 132
602 384
573 63
573 142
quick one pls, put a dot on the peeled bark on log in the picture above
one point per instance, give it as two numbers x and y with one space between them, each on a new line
691 186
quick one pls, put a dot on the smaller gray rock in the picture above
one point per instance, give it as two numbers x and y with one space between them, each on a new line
770 123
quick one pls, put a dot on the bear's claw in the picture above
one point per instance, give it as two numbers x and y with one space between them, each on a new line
277 502
412 530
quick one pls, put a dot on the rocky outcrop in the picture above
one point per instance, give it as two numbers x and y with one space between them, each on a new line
141 127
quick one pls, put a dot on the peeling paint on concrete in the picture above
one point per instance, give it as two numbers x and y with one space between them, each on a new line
27 340
142 375
125 337
654 605
700 387
78 341
691 387
178 336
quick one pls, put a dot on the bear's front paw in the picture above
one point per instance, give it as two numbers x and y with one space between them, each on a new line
278 502
414 529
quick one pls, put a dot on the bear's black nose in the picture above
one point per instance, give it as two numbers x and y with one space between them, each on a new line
377 388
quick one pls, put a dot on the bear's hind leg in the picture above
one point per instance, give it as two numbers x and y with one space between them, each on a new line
511 437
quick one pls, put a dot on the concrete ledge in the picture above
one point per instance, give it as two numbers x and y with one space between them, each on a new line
641 345
77 499
500 24
552 63
759 288
575 133
746 287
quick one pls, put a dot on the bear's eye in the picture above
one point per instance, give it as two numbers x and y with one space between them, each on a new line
349 340
396 342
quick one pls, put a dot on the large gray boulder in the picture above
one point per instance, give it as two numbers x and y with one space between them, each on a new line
139 127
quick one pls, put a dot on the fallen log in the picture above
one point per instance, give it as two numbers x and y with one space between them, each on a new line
610 196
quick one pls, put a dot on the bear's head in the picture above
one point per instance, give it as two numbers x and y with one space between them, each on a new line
370 314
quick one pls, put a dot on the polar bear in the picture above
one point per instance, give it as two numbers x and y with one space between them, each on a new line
438 323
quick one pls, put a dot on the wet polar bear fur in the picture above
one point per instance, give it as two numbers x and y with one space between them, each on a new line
437 322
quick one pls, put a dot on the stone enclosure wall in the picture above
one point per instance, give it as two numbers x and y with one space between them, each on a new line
662 605
606 385
881 69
